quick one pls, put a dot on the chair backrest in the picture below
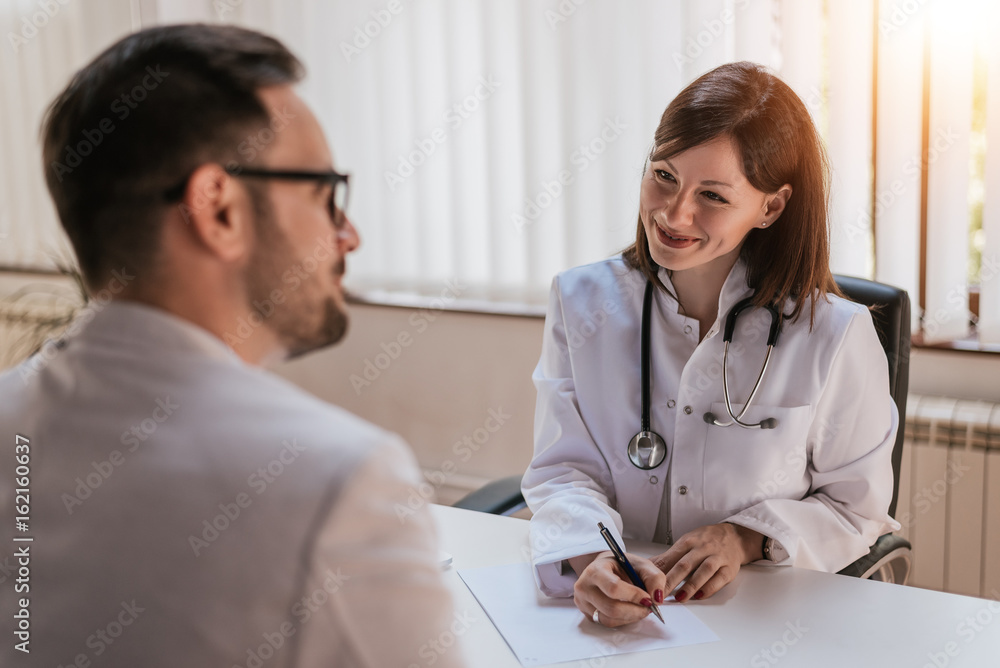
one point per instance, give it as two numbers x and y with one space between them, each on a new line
892 322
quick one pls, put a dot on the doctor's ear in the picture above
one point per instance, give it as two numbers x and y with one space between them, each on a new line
774 205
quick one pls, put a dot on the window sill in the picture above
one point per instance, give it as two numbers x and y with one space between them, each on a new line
474 301
528 304
511 303
966 345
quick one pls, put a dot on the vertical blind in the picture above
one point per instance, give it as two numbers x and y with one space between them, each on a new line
950 121
498 142
41 48
896 212
989 279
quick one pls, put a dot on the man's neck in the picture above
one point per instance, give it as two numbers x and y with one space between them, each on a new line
241 329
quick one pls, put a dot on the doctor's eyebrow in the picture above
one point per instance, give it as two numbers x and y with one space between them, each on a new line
704 183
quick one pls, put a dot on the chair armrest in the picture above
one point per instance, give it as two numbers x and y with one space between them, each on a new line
886 548
500 497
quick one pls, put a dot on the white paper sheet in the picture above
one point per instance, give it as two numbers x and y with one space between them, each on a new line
541 630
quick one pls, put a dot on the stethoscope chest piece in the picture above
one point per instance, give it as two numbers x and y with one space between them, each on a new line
647 450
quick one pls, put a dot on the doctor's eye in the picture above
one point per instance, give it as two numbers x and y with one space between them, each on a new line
715 197
664 175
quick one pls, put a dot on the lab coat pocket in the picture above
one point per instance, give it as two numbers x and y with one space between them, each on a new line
742 467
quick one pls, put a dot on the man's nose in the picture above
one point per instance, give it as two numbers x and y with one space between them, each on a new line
348 236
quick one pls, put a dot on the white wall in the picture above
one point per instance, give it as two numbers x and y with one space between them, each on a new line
440 388
962 375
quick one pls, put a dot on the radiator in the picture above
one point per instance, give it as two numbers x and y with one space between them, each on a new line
949 494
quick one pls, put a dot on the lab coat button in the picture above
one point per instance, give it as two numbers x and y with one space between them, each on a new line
653 479
682 489
687 410
687 329
671 403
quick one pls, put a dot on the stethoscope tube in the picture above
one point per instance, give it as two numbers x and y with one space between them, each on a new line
766 423
647 449
644 357
727 337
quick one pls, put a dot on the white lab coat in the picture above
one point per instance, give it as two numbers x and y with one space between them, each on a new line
819 484
199 511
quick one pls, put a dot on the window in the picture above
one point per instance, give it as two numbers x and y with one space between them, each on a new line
494 143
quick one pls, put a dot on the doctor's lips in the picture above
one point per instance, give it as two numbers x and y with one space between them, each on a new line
674 240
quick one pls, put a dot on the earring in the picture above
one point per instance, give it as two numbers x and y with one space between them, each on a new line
763 224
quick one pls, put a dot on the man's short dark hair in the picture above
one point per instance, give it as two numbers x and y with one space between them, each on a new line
139 118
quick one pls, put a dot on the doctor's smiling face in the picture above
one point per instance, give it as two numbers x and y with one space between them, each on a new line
697 207
738 171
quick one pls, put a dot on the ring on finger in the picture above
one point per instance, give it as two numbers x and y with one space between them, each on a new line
596 616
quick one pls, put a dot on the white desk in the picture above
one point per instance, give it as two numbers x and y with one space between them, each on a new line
841 621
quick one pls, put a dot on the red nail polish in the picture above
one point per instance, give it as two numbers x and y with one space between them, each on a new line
646 603
698 596
680 596
658 595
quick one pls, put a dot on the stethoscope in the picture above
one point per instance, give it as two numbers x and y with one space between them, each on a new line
647 449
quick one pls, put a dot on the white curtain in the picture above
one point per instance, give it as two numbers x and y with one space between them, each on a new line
500 141
493 142
989 279
946 315
541 173
43 45
897 163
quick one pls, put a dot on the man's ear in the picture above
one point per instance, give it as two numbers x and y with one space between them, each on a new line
775 204
218 212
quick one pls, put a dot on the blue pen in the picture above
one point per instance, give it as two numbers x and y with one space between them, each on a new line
620 556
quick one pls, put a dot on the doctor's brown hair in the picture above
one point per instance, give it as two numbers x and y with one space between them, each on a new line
778 144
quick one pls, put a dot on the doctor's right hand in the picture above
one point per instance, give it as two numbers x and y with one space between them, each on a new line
603 586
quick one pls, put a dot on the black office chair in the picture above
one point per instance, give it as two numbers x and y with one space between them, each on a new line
890 558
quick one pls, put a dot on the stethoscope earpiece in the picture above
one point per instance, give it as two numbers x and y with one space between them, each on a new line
766 423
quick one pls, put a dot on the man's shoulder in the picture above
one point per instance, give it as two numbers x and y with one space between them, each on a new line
274 405
221 405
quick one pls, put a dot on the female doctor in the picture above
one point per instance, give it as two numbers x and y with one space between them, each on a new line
732 207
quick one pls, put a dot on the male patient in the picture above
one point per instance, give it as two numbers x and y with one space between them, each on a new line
188 508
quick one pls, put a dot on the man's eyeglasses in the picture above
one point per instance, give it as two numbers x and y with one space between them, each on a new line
339 183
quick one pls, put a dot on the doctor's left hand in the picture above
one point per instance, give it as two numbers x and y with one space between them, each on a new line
708 558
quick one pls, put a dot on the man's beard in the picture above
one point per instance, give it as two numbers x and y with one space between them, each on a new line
307 319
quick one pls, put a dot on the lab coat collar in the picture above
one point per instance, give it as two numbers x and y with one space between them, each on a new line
734 289
131 325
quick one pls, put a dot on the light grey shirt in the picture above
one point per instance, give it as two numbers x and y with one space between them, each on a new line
188 509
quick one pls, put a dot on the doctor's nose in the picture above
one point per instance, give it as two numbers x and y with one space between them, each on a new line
678 212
